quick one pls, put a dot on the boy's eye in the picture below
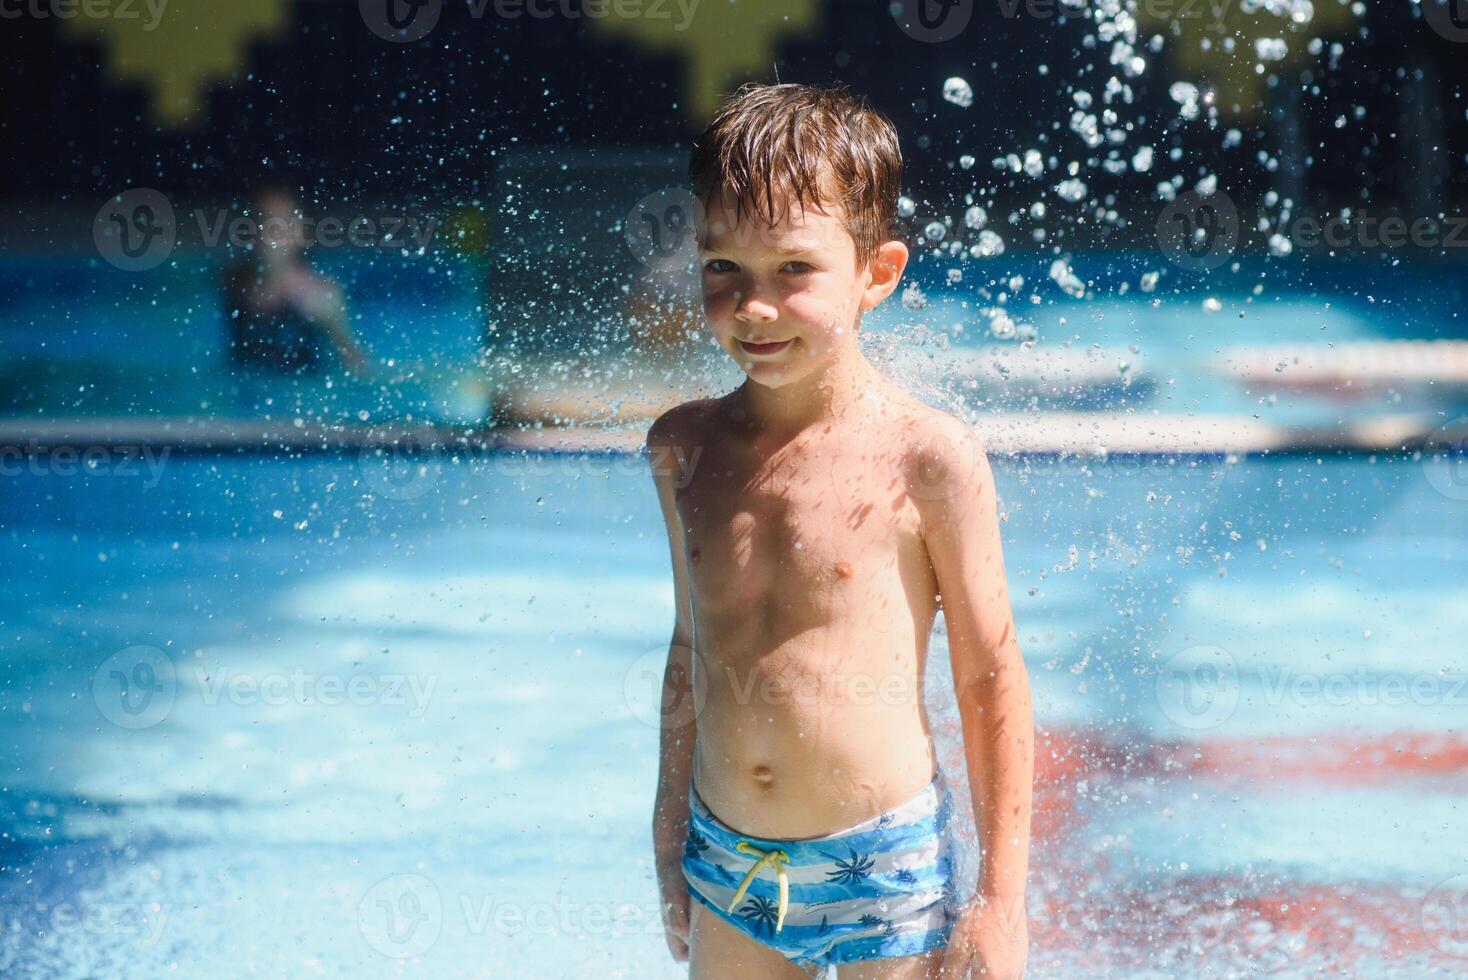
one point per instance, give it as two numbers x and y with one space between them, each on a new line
795 266
719 265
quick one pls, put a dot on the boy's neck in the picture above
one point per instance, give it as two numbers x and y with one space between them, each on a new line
826 394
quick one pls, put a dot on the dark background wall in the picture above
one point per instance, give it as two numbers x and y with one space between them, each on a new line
327 100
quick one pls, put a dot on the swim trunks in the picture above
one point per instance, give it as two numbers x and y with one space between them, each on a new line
883 888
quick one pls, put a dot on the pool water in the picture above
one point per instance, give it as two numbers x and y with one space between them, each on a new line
81 338
394 719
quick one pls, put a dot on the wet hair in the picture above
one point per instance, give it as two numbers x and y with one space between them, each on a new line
815 145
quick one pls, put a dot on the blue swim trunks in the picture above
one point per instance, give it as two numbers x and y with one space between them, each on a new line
883 888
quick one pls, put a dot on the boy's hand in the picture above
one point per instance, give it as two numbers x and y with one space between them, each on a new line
673 889
991 940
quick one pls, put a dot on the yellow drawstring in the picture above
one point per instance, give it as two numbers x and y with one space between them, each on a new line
773 859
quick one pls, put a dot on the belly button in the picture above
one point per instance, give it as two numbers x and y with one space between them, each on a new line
694 555
764 773
844 569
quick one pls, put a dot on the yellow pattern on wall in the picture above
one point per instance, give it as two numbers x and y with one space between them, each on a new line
1233 74
176 49
723 42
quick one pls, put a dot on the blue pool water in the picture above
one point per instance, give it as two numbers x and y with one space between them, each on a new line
479 806
80 338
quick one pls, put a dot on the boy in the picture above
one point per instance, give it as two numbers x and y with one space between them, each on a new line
821 518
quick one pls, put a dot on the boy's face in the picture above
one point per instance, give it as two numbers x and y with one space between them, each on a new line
784 301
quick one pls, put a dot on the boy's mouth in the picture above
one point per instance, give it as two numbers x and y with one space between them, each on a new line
774 347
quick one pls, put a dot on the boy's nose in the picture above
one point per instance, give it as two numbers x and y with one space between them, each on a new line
749 308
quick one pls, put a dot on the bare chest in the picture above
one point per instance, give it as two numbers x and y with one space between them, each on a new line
805 532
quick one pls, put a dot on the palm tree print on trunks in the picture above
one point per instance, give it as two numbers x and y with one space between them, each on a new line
760 913
851 871
948 899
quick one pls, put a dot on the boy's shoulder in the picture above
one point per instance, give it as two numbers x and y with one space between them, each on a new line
682 424
940 452
928 432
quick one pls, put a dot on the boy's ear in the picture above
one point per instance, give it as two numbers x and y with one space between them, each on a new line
884 272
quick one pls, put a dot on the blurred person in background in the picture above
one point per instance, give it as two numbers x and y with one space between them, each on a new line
281 312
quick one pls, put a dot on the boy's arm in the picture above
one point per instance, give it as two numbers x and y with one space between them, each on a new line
322 300
668 460
957 500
